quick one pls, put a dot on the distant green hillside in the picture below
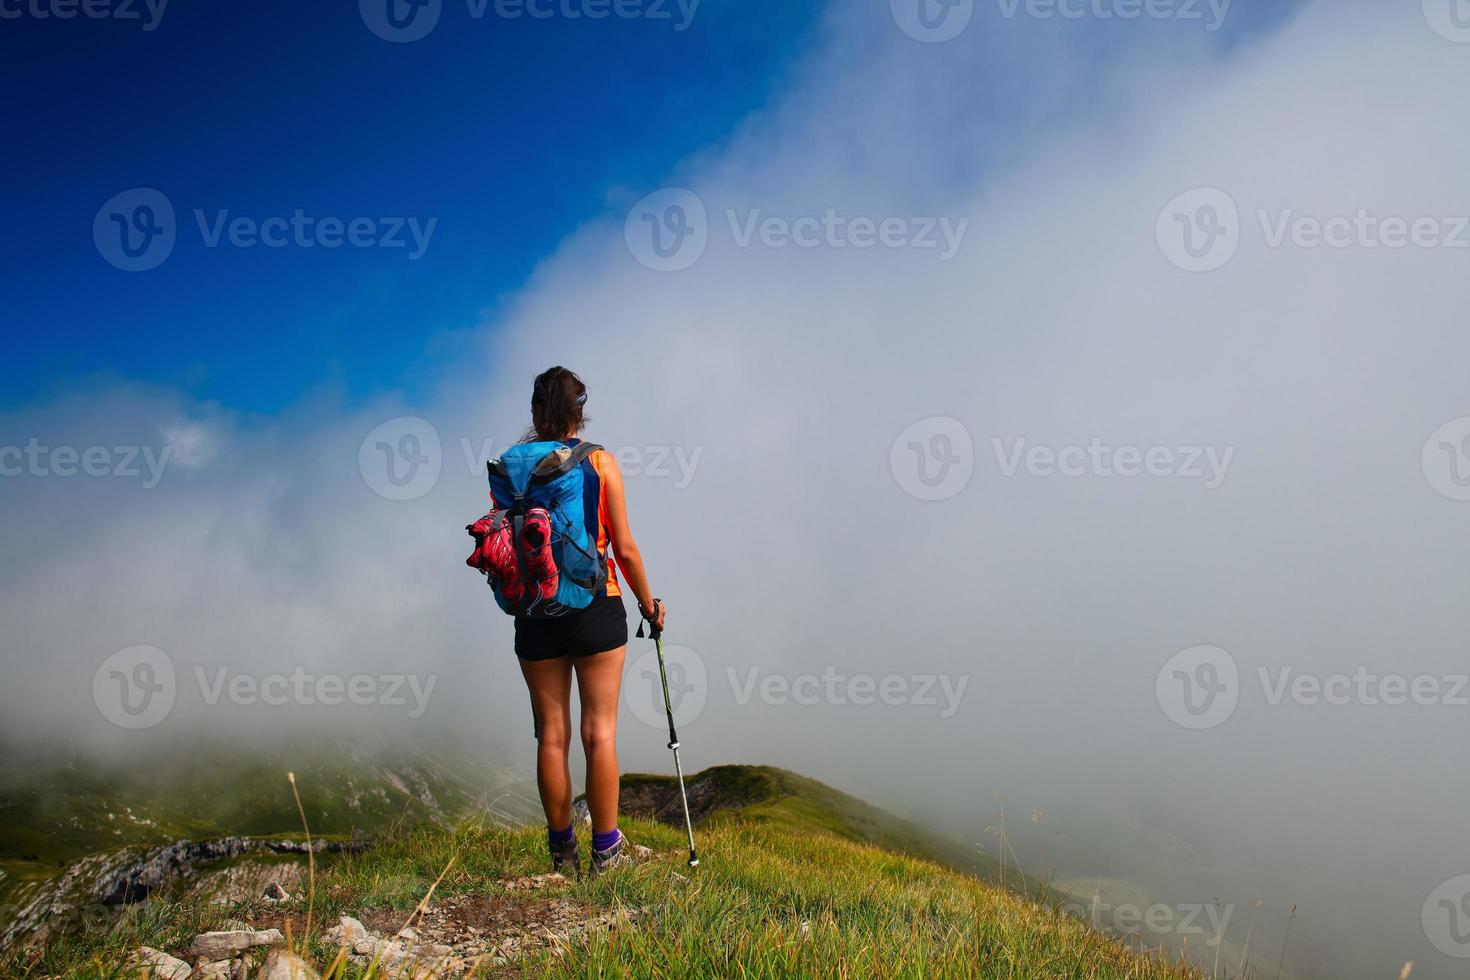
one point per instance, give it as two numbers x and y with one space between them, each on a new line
56 811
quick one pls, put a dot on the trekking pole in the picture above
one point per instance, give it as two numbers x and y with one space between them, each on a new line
663 675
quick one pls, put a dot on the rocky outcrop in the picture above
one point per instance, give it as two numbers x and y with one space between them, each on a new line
164 864
94 884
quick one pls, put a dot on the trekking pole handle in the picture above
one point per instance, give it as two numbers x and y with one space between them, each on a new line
654 630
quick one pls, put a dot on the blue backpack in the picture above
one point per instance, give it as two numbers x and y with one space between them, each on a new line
548 476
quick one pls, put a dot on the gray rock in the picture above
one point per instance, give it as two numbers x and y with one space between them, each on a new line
158 965
275 893
210 946
347 932
222 970
282 964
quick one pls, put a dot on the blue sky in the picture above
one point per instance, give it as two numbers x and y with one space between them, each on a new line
509 132
505 133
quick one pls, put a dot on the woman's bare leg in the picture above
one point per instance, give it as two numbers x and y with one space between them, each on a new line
550 683
599 686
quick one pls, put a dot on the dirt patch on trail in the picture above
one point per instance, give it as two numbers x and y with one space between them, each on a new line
480 933
488 920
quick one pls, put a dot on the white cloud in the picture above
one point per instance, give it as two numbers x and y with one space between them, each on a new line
795 549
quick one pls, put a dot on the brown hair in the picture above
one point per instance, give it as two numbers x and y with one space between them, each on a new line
557 399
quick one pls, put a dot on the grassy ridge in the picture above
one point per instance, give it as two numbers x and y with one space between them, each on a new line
795 880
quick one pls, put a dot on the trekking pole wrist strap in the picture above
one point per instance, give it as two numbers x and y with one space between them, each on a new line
651 618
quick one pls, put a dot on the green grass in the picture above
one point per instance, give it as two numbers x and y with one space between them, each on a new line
795 880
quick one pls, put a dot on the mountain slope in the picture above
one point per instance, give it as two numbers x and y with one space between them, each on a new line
795 879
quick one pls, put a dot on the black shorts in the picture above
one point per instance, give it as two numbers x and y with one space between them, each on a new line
602 626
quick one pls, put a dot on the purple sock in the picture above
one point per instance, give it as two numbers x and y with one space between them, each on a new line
561 837
601 842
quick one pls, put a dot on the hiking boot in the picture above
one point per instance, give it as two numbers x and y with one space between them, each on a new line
496 554
565 855
536 546
611 859
623 854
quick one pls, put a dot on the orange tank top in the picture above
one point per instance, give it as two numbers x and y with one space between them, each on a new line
599 464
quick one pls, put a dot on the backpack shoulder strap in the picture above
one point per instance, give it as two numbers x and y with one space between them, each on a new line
578 455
